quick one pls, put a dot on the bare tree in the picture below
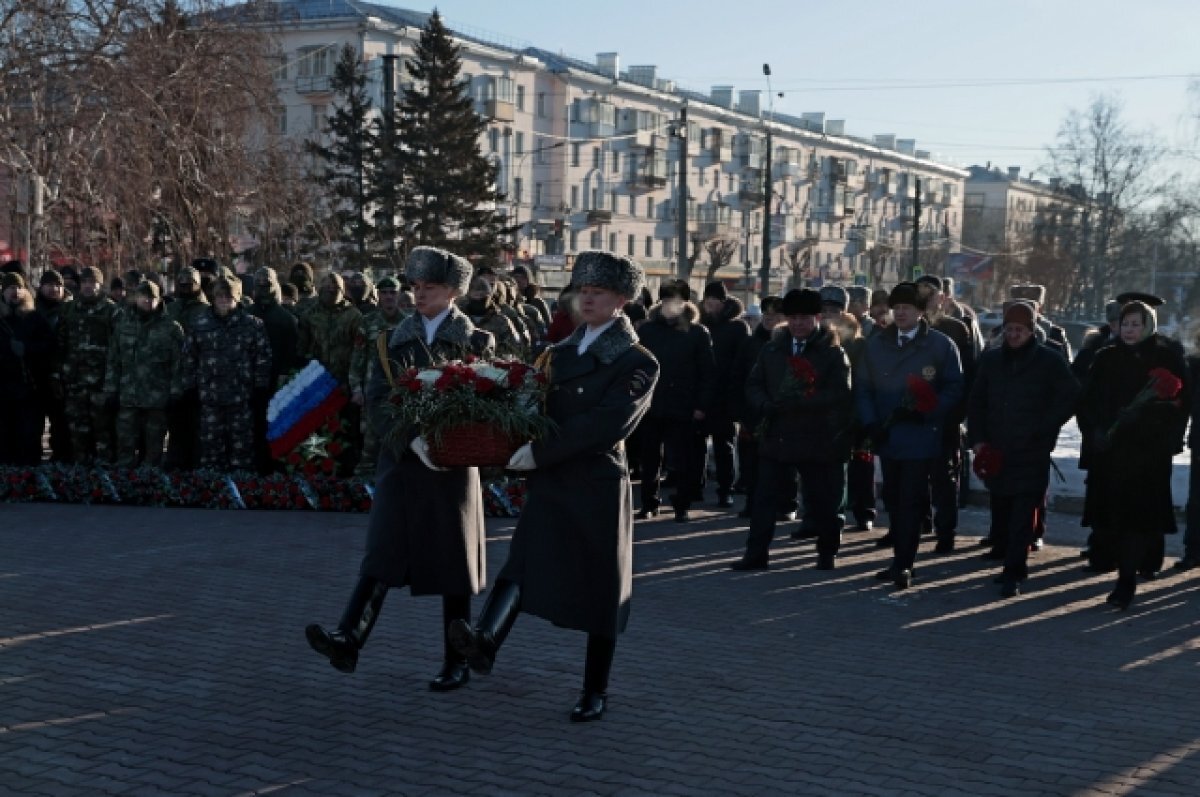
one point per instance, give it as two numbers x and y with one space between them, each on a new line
720 253
1113 165
798 258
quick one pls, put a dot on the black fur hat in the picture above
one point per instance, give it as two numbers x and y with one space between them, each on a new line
606 270
802 301
430 264
906 293
674 289
1036 293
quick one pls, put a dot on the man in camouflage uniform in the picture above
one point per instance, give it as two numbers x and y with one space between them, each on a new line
301 277
229 364
189 307
84 335
360 290
283 332
144 376
366 357
327 335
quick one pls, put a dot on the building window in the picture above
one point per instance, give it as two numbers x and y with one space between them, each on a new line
649 246
312 61
630 245
597 199
595 157
520 98
319 122
281 121
541 103
519 143
575 148
574 240
574 196
649 207
612 242
616 162
668 248
594 239
537 195
494 139
613 206
517 190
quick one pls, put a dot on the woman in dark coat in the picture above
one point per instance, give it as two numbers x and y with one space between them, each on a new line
1024 392
571 558
426 529
1133 446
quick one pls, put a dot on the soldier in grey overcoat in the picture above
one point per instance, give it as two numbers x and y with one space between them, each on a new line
426 529
571 558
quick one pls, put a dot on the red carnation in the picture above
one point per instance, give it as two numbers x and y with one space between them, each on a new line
921 394
327 466
1166 385
335 448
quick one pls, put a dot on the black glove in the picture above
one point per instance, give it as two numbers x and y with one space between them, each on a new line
907 415
112 403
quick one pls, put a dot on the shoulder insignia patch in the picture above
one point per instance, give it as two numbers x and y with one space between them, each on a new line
639 383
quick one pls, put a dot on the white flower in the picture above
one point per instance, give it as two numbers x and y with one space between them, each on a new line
428 376
498 375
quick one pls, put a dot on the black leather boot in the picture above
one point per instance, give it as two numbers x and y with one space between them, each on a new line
454 673
594 698
480 644
341 646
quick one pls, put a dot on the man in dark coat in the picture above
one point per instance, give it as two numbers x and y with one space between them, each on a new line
722 315
183 417
1037 295
682 398
800 386
904 366
1023 394
748 420
601 382
51 302
426 529
943 514
25 338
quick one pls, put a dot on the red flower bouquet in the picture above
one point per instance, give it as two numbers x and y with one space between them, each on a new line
472 413
988 462
800 377
920 395
1163 386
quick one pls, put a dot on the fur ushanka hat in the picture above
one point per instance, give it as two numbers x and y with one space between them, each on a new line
430 264
606 270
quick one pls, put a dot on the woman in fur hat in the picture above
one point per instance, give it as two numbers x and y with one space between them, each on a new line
571 558
426 529
1133 446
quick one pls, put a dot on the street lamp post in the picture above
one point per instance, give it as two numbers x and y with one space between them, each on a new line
765 271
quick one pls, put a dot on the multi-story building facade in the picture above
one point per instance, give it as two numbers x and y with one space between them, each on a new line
589 156
1019 228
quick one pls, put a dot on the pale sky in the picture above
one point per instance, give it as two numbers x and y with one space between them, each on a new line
882 66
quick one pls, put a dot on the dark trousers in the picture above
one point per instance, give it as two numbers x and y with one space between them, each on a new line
183 441
1191 536
1133 550
747 448
944 490
1013 518
20 432
723 432
825 485
906 485
860 487
678 436
55 410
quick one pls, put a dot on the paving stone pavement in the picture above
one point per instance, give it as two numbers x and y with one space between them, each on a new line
161 652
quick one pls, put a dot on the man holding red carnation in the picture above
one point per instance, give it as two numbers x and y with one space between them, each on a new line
800 387
907 381
1023 393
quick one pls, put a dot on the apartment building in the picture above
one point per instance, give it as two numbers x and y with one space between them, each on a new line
589 156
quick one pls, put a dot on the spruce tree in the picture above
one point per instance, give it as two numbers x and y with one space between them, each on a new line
446 187
347 156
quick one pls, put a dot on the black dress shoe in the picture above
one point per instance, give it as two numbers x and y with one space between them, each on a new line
985 542
1120 597
724 502
333 645
944 546
750 564
885 541
903 579
864 525
646 513
453 675
994 555
682 516
1009 588
887 574
804 533
825 561
1037 544
590 707
785 517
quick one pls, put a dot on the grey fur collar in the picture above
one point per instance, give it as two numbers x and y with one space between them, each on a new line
456 329
612 343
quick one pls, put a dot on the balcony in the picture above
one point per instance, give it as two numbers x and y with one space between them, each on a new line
499 110
751 196
599 216
720 154
862 233
789 169
645 181
314 84
752 160
708 230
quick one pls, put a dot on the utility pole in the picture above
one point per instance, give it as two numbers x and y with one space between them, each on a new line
916 241
389 147
681 219
765 271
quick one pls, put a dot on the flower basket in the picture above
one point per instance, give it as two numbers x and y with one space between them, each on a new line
472 445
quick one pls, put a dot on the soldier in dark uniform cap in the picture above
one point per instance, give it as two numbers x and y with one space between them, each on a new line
601 383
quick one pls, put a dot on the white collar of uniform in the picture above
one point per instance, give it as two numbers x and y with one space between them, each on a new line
591 333
432 324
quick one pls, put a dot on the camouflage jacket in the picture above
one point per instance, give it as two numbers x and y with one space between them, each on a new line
145 361
327 336
84 335
227 359
186 312
365 346
508 342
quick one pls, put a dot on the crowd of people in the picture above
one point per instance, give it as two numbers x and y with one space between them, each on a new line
807 402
